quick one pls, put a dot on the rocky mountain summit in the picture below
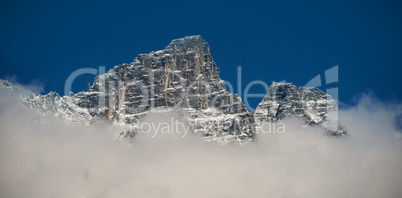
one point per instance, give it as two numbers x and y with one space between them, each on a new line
183 77
308 103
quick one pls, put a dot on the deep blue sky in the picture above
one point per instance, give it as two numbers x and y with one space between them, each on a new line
272 41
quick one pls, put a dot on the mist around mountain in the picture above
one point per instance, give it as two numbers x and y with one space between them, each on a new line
70 146
52 159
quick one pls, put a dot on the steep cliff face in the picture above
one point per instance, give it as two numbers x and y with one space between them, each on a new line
183 77
310 104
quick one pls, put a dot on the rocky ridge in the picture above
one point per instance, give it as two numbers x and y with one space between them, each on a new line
308 103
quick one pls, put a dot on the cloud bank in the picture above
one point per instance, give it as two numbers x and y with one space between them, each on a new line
40 160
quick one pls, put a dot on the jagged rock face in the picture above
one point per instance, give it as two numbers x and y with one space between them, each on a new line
310 104
184 77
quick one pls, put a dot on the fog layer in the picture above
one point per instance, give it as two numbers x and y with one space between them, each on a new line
50 159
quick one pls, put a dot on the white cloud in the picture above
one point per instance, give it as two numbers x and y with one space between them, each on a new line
53 160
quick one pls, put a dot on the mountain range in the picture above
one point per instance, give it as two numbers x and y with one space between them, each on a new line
183 78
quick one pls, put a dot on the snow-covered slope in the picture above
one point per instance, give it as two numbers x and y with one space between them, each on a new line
50 105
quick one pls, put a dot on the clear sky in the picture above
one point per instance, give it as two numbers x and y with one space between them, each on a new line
291 40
